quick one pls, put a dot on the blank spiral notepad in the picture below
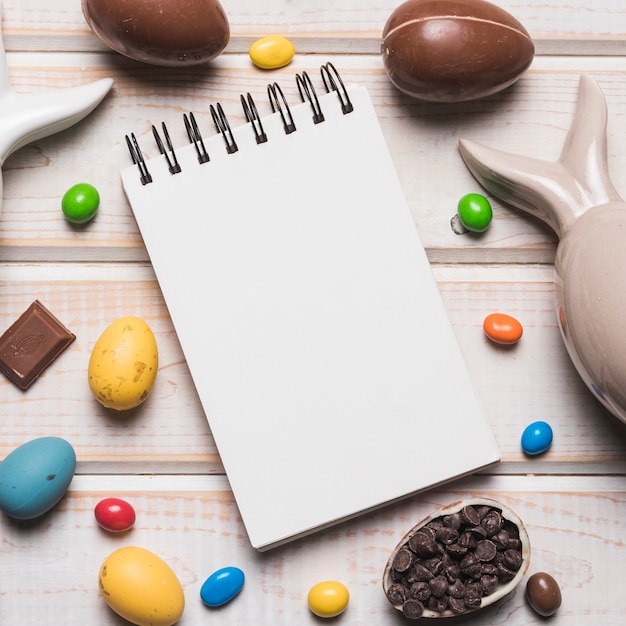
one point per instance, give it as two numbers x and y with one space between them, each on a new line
308 313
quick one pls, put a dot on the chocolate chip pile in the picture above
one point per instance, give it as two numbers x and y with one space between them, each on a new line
454 561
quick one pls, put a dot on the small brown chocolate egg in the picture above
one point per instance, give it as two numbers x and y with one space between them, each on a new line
543 594
184 32
454 50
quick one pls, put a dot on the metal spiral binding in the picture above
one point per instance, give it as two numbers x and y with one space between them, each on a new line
273 91
223 127
138 160
329 70
306 90
252 115
332 82
195 136
172 163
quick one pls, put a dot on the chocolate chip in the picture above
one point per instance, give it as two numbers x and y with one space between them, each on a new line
473 595
490 568
470 566
439 604
403 560
501 539
512 559
420 591
396 593
470 516
457 605
413 609
453 521
423 544
492 522
438 586
486 550
446 535
456 550
451 572
456 589
488 584
505 574
422 573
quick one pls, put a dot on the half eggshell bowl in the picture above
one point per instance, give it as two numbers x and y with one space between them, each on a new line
481 506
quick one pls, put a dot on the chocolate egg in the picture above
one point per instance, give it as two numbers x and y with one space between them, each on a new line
185 32
543 594
454 50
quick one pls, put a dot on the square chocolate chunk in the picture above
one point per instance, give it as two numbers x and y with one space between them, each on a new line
31 344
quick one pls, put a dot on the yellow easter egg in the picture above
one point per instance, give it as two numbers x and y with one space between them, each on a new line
141 587
328 598
123 364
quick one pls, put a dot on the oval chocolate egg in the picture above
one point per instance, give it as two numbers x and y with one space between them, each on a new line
454 50
184 32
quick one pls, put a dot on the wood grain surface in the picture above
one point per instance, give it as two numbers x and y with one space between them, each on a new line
162 456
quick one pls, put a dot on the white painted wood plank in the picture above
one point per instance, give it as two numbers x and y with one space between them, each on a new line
533 380
531 118
50 566
575 27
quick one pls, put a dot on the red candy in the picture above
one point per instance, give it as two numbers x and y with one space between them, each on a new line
114 515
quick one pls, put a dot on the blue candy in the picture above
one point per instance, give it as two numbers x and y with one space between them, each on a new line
536 438
222 586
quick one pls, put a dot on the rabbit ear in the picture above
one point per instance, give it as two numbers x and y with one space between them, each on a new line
584 153
555 192
523 182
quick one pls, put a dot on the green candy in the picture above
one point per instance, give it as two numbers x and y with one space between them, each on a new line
80 203
475 212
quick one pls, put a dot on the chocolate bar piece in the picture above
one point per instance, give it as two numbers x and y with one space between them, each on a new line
31 344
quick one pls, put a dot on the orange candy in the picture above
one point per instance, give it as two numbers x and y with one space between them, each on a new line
502 328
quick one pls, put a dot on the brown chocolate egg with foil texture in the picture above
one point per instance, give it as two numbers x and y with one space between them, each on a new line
454 50
160 32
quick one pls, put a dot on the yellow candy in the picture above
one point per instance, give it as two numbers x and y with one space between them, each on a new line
328 598
271 52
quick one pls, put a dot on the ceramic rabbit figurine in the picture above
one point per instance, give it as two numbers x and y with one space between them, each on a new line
27 117
576 198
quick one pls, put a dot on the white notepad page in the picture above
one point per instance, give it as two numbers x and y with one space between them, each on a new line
310 319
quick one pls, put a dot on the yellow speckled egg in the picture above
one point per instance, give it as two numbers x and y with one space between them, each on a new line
141 587
328 598
123 364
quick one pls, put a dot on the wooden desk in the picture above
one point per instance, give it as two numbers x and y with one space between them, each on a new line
162 456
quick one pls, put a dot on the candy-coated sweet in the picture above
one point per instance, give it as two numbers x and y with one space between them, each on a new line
115 515
537 438
272 52
80 203
123 364
328 598
222 586
141 587
35 476
502 328
543 594
475 212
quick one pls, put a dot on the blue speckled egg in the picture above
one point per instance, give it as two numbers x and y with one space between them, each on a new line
222 586
35 476
536 438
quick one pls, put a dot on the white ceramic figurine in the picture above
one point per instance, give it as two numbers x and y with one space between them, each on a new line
576 198
28 117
